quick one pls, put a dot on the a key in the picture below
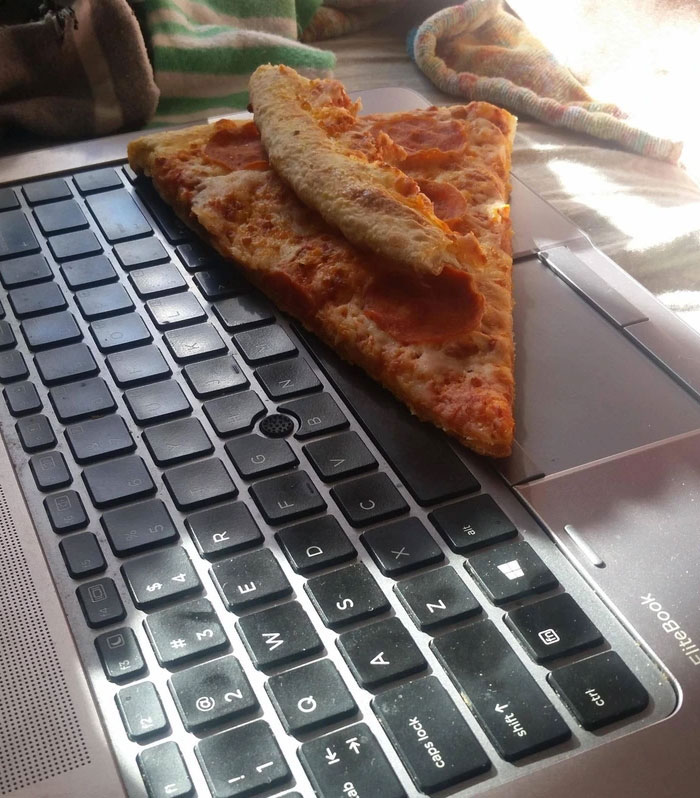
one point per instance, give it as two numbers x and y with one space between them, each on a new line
287 497
120 332
82 555
174 228
242 312
22 398
310 697
65 363
316 415
158 401
315 544
24 271
250 579
117 481
137 366
36 300
242 761
215 376
514 712
49 190
60 217
88 272
7 337
120 655
12 366
65 511
55 329
175 310
140 252
8 199
164 772
511 571
211 693
196 484
432 738
78 244
256 455
220 283
368 499
157 280
194 343
339 456
347 762
231 414
197 255
159 577
35 433
97 180
380 652
554 627
50 471
81 399
142 712
262 344
472 523
177 441
118 216
16 236
100 603
436 598
98 438
138 527
184 632
402 546
287 378
223 530
346 595
279 635
599 690
101 301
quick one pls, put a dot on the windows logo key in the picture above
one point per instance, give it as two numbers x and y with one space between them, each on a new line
511 569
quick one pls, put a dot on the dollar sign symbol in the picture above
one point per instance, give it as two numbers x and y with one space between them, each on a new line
155 586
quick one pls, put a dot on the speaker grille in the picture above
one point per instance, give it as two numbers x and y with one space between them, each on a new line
40 737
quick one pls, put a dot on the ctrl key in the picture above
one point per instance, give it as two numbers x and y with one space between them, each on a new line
164 772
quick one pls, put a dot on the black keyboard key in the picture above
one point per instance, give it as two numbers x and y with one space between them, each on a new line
231 414
103 300
432 738
220 283
88 272
56 329
82 555
35 433
175 230
140 252
50 471
242 761
472 523
8 199
22 398
78 400
158 401
65 511
250 579
402 546
286 498
55 188
212 693
164 772
241 312
78 244
157 280
349 762
257 455
60 217
194 343
97 180
118 216
7 337
310 697
514 712
12 366
136 366
216 376
177 441
35 300
555 627
137 527
100 603
279 635
25 271
339 456
120 332
287 378
315 544
97 438
436 598
16 236
159 577
599 690
130 174
200 483
65 363
175 310
262 344
368 499
196 255
511 571
184 632
142 713
117 481
346 595
120 655
223 530
316 415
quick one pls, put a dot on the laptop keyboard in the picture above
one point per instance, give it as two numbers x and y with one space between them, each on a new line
307 584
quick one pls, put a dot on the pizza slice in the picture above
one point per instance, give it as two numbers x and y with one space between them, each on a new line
429 337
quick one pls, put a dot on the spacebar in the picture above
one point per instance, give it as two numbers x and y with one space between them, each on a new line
420 454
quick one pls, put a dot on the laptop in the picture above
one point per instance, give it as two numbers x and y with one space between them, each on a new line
233 566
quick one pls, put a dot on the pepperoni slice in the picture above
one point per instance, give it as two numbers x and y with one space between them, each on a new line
237 147
416 133
448 201
424 308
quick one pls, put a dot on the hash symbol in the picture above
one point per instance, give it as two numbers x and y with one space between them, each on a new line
179 643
